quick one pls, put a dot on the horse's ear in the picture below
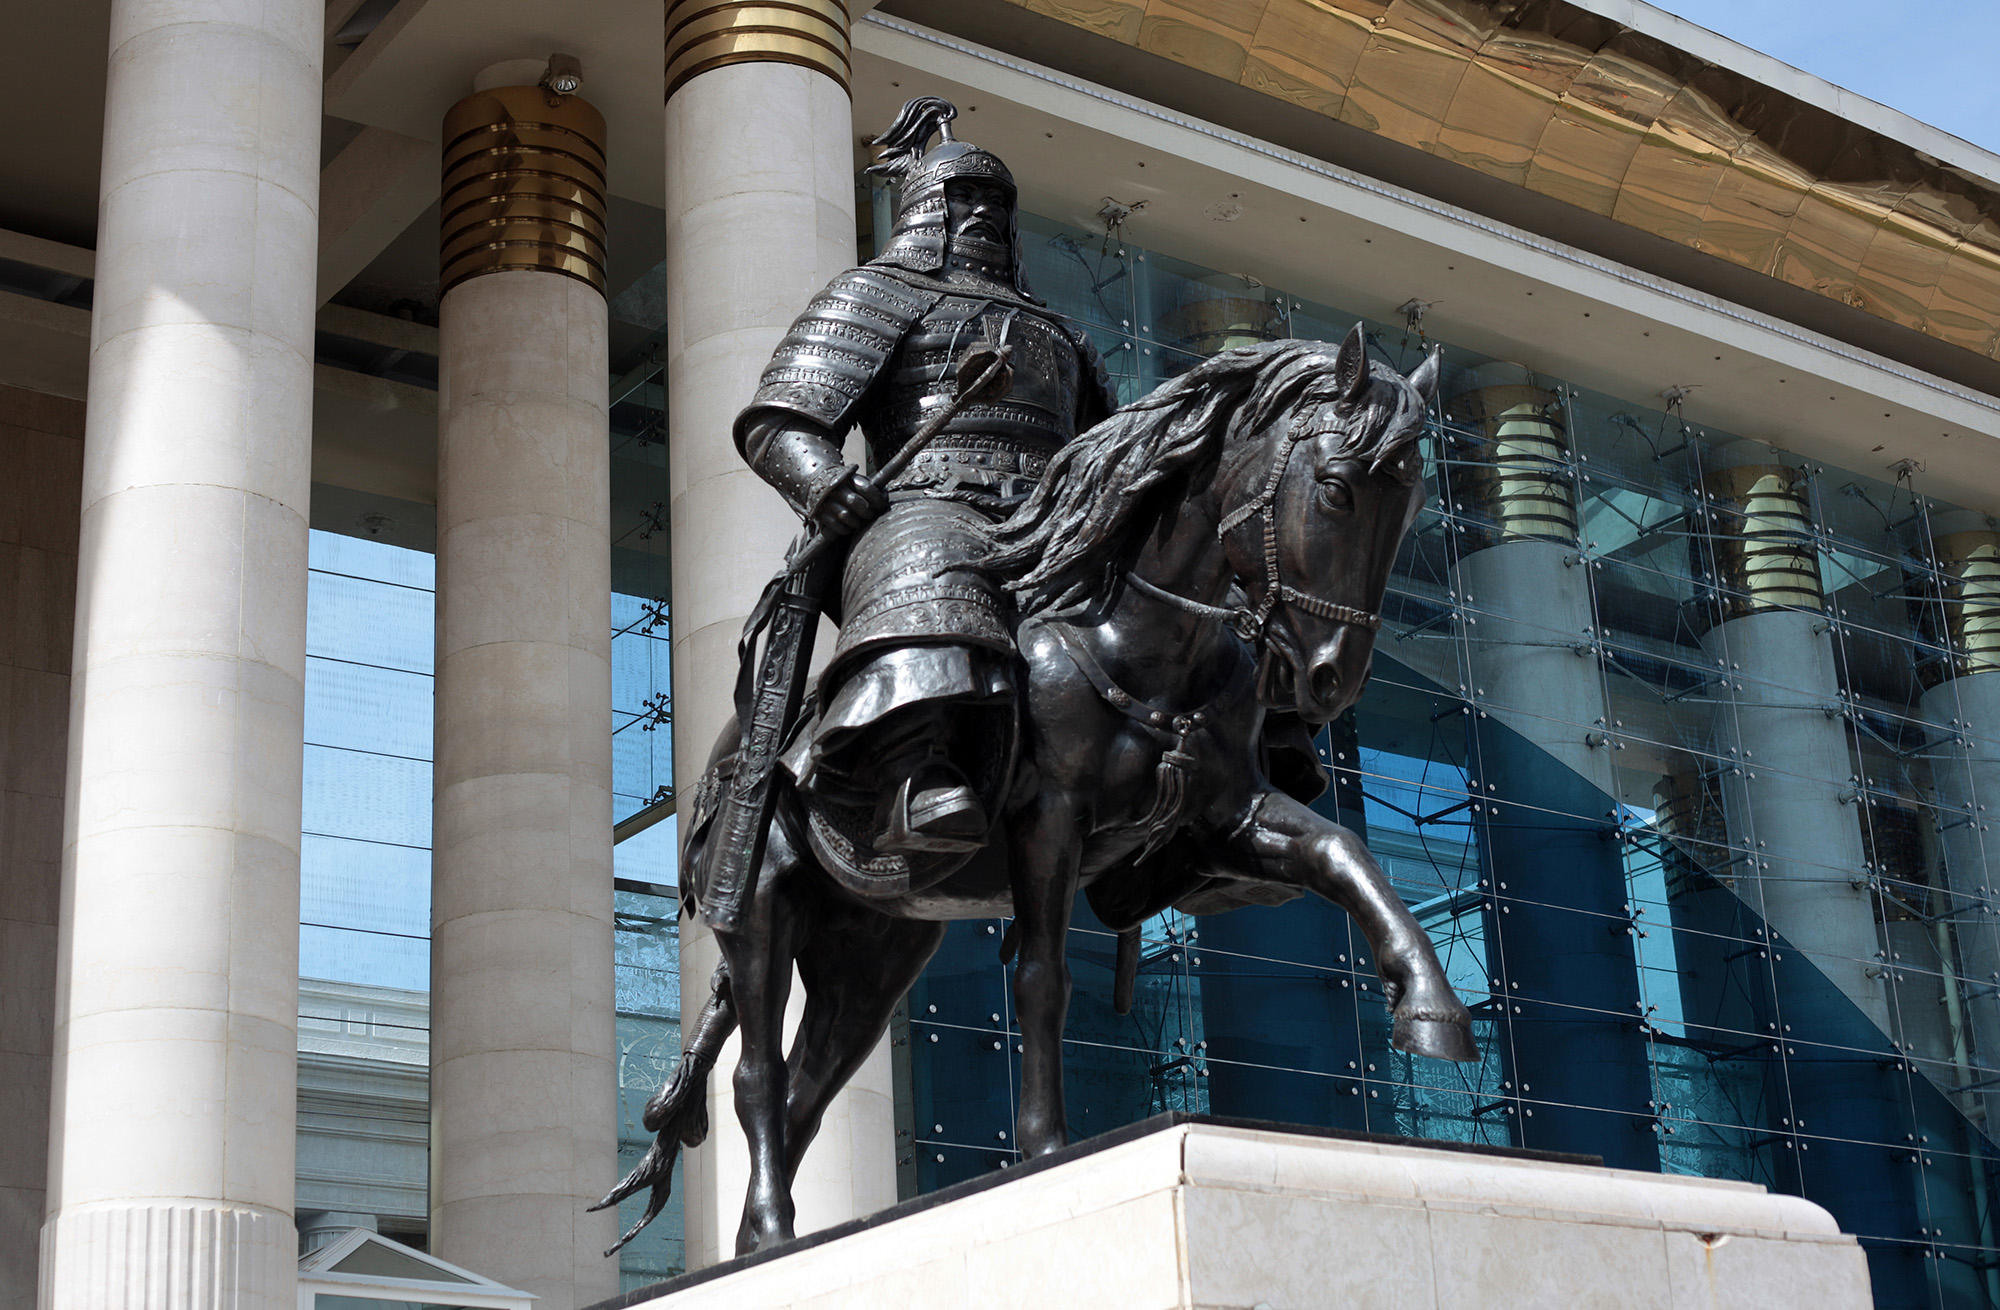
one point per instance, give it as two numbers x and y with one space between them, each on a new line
1425 379
1350 367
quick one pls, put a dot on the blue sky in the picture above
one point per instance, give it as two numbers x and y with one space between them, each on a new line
1936 60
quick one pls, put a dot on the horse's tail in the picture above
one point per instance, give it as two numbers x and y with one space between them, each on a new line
1125 979
678 1113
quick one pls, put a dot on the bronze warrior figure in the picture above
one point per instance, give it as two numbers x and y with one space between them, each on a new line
913 740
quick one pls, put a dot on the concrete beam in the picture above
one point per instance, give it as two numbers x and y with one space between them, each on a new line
337 14
371 434
378 329
43 346
342 78
369 195
73 260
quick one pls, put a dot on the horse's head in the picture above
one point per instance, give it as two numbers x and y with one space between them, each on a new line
1299 455
1312 508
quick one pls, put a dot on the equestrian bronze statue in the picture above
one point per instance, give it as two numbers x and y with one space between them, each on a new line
1066 662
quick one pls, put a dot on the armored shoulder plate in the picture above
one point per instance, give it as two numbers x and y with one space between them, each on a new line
836 349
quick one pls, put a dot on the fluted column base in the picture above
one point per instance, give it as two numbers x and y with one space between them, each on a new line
180 1255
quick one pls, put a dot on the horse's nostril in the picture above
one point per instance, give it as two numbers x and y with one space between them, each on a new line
1323 681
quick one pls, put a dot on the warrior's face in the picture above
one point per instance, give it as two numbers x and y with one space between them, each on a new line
978 210
979 220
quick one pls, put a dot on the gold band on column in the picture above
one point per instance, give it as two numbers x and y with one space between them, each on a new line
1517 482
705 34
1968 574
523 186
1763 533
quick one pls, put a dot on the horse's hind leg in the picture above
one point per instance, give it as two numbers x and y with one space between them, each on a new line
856 965
759 957
1288 843
1044 874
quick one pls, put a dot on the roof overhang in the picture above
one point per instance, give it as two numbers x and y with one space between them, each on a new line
1605 124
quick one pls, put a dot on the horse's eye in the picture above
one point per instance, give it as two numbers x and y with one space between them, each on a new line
1334 494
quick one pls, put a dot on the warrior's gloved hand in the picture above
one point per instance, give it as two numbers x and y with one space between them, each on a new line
848 504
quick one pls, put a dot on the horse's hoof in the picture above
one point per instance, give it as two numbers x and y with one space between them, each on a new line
1034 1144
1440 1039
749 1240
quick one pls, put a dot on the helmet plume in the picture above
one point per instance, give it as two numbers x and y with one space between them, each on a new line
902 142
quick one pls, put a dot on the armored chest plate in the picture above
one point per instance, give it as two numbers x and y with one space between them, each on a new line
1037 414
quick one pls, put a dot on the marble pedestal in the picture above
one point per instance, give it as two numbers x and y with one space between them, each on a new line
1207 1214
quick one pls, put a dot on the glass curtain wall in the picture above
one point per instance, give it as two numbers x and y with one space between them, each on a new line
1679 744
642 782
1681 747
364 912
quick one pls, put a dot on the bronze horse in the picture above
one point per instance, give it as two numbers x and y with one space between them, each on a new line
1199 577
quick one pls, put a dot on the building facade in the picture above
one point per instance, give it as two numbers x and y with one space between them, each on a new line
377 551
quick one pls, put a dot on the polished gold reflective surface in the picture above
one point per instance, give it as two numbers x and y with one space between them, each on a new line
1762 529
1968 565
1509 466
1207 327
705 34
1577 106
1687 807
523 186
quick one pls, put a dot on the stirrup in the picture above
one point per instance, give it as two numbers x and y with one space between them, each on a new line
937 820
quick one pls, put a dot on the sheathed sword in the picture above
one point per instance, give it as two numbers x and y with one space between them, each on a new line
767 704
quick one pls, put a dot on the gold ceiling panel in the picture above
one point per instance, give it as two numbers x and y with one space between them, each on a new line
1113 18
1571 105
1305 51
1492 123
1198 42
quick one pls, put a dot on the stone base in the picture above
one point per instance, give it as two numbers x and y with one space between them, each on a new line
1206 1214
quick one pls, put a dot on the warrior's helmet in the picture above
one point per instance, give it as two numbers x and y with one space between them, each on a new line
920 241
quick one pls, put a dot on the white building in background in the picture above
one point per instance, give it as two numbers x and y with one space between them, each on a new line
372 570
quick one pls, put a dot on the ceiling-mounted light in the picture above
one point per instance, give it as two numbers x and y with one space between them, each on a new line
564 75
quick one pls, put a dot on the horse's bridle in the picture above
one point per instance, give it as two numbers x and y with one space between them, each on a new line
1250 621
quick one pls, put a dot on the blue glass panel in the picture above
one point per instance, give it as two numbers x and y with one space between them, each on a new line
368 708
347 883
373 959
358 794
649 1042
372 623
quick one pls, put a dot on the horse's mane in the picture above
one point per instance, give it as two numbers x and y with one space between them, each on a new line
1078 534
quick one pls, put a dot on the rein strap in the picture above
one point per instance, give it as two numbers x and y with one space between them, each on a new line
1250 623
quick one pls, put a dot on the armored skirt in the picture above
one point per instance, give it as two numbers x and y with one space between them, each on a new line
921 626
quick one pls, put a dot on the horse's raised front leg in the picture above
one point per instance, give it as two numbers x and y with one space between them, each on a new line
760 979
1289 843
1045 841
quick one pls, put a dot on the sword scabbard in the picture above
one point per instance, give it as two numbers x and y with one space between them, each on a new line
743 826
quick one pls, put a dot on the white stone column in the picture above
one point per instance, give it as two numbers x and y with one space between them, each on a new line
1963 710
760 215
1788 784
171 1169
1795 797
523 1042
